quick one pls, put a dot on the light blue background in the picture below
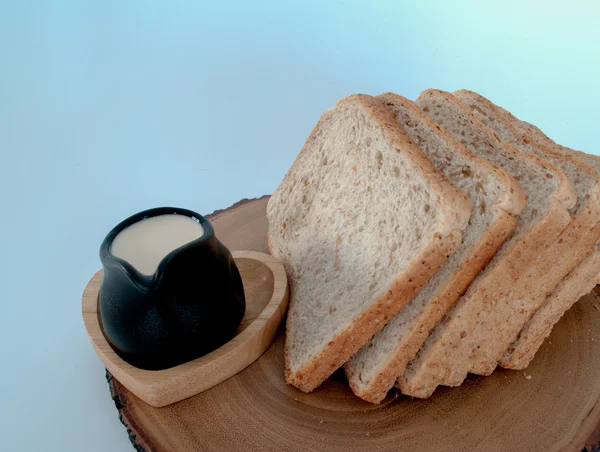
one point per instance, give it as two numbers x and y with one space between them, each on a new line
111 107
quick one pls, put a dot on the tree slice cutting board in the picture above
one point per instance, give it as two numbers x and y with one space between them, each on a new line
553 405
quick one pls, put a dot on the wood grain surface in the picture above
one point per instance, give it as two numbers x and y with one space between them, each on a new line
554 405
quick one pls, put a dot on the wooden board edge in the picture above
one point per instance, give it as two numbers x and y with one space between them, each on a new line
140 442
216 213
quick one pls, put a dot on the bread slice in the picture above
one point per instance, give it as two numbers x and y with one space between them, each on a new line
444 358
496 198
361 221
512 358
522 351
578 283
551 265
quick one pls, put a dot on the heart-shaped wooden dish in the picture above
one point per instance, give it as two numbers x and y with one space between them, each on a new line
266 291
553 405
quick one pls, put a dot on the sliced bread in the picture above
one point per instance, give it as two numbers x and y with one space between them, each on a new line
361 221
496 198
444 358
553 263
512 358
522 351
578 283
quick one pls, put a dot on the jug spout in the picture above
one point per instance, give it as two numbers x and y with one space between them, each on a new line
186 305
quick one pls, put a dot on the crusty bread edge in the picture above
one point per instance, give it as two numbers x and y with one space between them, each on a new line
523 253
568 194
378 386
546 145
522 351
455 375
361 329
456 210
538 237
588 214
564 188
578 283
514 200
454 204
575 241
426 392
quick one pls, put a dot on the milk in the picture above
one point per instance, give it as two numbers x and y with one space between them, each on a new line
145 243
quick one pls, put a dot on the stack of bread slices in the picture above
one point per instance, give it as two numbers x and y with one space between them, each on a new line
428 239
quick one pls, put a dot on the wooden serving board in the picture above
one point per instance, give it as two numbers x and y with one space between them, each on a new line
554 405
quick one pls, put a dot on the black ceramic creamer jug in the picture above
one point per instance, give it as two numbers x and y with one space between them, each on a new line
191 305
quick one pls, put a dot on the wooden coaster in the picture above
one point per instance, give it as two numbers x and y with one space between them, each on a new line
266 291
554 405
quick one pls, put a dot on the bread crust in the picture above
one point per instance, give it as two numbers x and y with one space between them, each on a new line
573 244
567 193
512 202
578 283
448 361
564 192
455 207
376 388
575 247
576 240
362 328
458 216
483 359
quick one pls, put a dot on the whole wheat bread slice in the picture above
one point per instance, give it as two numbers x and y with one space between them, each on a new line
444 358
512 358
523 350
496 198
551 265
578 283
361 221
